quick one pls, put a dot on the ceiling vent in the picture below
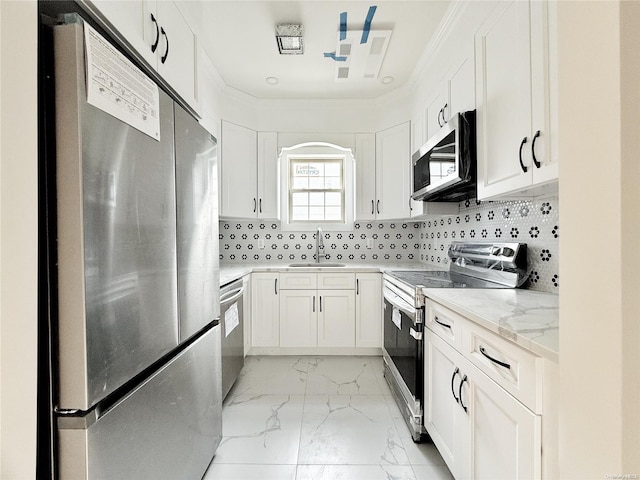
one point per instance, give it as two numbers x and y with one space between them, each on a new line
361 60
289 38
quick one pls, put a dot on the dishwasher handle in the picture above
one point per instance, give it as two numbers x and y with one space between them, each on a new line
231 296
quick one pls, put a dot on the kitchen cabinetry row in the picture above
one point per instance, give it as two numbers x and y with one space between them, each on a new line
316 310
484 400
505 67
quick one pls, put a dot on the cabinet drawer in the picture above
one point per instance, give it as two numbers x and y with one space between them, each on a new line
515 369
298 281
337 281
444 323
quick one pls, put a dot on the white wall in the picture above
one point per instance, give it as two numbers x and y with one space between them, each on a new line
599 308
18 238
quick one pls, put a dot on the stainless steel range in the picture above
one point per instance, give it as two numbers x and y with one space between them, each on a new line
472 265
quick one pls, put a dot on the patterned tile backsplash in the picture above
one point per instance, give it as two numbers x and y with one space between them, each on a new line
535 222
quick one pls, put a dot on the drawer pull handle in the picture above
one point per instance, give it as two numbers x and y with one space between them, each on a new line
440 323
494 360
464 379
453 378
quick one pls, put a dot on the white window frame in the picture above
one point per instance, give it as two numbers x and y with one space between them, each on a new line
317 151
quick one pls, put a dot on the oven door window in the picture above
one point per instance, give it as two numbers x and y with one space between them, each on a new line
403 349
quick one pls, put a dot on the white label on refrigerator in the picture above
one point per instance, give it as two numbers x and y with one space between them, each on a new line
396 318
231 319
119 88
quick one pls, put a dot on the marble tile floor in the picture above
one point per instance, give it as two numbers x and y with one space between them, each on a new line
318 418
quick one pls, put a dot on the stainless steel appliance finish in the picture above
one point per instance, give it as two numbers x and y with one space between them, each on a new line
231 296
473 265
164 429
117 284
137 385
197 204
444 168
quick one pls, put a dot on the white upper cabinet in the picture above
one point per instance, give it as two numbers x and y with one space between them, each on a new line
248 172
515 122
393 170
383 170
161 35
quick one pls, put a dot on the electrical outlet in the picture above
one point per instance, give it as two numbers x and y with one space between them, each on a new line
369 243
261 243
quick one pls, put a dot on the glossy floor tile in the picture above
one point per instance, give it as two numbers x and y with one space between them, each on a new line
318 418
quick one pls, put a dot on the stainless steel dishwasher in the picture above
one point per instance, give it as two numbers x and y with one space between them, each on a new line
232 333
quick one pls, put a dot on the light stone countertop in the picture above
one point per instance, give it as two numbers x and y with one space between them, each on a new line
229 273
526 317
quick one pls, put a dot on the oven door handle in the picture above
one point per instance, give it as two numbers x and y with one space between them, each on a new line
231 296
411 313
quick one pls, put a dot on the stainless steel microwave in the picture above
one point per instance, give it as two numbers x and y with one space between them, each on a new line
444 168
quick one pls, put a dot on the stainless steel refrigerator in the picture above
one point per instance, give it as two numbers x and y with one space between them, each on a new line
136 341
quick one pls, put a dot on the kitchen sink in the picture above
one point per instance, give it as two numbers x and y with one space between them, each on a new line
314 264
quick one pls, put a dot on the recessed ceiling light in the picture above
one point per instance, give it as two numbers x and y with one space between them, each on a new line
387 80
272 80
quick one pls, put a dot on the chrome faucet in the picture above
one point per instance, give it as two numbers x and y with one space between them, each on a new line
319 245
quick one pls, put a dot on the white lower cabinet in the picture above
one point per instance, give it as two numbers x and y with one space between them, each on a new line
336 318
265 310
311 317
368 310
318 311
298 318
481 430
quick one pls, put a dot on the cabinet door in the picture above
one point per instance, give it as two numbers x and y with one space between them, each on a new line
268 206
265 310
369 310
177 51
434 112
133 22
504 437
393 166
336 318
298 318
461 87
238 172
503 82
365 176
441 407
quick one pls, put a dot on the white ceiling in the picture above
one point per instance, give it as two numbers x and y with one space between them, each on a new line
239 38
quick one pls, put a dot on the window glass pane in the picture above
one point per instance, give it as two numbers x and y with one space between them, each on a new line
333 199
316 213
316 183
300 214
316 169
333 213
333 169
333 183
299 199
316 199
300 183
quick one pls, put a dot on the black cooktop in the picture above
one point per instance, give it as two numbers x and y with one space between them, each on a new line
441 279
